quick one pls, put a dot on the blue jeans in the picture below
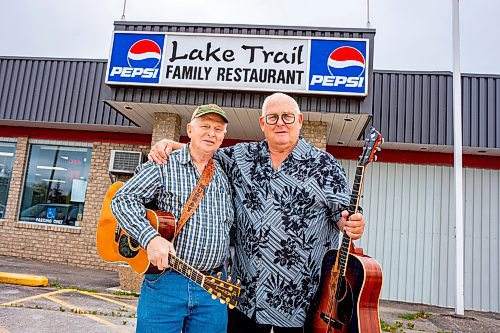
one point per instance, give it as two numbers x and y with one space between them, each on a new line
170 302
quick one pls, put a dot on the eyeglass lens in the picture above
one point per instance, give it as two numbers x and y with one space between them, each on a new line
287 118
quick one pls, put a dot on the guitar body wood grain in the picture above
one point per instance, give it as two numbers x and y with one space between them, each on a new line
357 308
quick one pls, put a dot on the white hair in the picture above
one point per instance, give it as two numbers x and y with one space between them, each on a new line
279 95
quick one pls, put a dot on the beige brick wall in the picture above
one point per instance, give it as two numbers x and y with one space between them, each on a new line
16 180
167 126
315 132
68 245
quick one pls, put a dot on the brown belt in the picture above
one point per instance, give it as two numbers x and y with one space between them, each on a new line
213 270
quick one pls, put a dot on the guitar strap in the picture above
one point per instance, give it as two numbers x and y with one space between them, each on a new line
195 197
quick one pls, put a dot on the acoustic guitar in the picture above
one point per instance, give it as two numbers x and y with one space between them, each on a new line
347 299
115 245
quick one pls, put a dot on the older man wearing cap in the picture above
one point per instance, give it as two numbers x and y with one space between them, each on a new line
169 302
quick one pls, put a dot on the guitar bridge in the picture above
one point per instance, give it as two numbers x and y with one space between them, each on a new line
328 320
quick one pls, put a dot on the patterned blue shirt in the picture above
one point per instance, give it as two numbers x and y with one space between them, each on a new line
286 220
204 240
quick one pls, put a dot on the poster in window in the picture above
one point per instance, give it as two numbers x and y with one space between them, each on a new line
78 190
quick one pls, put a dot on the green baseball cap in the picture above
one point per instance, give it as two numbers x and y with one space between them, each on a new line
209 108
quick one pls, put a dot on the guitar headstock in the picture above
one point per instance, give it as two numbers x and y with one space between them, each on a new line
225 291
373 141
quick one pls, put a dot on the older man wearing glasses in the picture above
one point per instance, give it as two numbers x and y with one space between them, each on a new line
290 199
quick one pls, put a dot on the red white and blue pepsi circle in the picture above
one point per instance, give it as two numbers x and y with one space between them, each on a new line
144 53
135 58
346 61
339 66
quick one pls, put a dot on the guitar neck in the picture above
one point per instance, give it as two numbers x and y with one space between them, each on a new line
353 208
185 269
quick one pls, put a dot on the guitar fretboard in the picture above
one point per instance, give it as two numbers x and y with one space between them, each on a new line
353 208
185 269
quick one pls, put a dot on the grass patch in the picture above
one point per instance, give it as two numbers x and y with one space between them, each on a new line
413 316
125 293
386 327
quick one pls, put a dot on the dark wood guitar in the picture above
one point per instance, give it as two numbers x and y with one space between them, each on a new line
349 291
114 245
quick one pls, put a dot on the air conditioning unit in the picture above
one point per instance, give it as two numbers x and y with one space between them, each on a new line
124 162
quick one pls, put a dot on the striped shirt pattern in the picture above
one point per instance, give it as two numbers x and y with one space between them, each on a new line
204 240
286 220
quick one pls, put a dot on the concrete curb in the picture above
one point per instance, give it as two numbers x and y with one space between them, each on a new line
24 279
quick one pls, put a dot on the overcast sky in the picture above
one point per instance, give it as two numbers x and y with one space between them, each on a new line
410 35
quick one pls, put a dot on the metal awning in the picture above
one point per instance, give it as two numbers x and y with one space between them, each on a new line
342 129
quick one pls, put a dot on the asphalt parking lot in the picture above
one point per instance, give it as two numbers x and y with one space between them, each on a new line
35 309
83 300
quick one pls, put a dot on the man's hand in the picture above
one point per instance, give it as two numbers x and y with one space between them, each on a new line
354 227
158 250
161 150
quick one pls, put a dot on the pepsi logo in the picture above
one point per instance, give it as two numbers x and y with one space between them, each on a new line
346 61
144 53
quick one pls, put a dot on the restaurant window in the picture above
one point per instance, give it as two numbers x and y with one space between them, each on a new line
55 186
7 151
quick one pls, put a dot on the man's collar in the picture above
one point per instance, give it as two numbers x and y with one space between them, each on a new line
302 151
184 155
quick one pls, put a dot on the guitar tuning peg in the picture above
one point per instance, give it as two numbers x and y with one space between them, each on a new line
238 282
222 301
229 278
219 275
231 306
214 297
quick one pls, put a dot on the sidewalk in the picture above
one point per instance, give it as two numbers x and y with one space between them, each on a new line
62 275
429 319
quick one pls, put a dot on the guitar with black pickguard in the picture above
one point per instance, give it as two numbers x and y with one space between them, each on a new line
347 299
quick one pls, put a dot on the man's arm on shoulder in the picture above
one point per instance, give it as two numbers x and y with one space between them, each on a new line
128 203
161 150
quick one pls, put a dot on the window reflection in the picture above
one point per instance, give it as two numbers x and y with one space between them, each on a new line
56 184
7 151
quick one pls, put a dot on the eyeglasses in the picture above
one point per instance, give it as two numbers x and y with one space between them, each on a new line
287 118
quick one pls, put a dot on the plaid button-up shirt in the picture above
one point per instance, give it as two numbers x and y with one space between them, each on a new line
204 240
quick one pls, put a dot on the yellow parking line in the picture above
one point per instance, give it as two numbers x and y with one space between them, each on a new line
29 298
107 299
78 311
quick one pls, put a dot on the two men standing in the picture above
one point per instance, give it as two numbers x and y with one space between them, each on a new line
290 200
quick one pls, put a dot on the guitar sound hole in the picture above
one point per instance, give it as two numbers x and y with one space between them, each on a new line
345 301
124 249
